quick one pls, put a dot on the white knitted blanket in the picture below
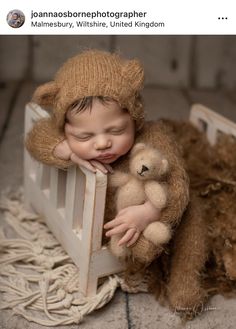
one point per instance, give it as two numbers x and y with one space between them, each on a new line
38 280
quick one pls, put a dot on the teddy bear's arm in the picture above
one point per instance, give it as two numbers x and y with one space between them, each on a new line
118 179
42 140
156 194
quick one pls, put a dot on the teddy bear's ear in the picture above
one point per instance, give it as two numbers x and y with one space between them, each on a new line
137 147
164 167
45 95
132 70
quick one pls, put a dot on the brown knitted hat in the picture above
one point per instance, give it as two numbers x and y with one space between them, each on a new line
94 73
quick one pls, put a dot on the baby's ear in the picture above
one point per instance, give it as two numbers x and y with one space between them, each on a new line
45 95
133 71
137 147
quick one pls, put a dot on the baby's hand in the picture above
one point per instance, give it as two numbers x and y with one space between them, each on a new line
132 221
91 165
64 152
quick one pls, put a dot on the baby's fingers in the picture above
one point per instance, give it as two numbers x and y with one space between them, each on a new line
109 168
99 166
134 239
117 230
84 163
112 223
127 237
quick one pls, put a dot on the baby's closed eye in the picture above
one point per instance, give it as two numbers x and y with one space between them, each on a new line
117 131
83 138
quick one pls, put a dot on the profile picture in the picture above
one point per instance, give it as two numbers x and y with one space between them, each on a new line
15 18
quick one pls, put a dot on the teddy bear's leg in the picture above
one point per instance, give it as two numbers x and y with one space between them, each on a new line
185 293
144 251
157 232
121 252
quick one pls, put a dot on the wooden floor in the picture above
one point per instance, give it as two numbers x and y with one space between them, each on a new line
138 311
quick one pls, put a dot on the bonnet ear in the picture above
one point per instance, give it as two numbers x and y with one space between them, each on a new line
133 71
137 147
45 95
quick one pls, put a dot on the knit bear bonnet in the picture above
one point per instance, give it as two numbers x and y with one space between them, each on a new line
94 73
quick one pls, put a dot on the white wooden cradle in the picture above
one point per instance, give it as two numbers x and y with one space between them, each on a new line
73 201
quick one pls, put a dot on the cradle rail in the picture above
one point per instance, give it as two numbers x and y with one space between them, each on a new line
72 203
211 123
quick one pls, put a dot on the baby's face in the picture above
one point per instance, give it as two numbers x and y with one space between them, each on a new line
103 133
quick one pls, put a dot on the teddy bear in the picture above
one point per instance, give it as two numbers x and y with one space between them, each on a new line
148 169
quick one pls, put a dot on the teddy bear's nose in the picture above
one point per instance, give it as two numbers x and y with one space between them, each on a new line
144 168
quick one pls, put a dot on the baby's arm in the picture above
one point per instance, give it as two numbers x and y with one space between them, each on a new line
63 151
132 221
47 144
42 140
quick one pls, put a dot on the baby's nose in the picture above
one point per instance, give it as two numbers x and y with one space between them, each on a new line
102 143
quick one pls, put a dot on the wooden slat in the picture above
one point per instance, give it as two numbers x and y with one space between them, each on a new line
61 188
43 177
57 189
75 189
214 122
53 189
70 192
79 196
87 231
99 208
